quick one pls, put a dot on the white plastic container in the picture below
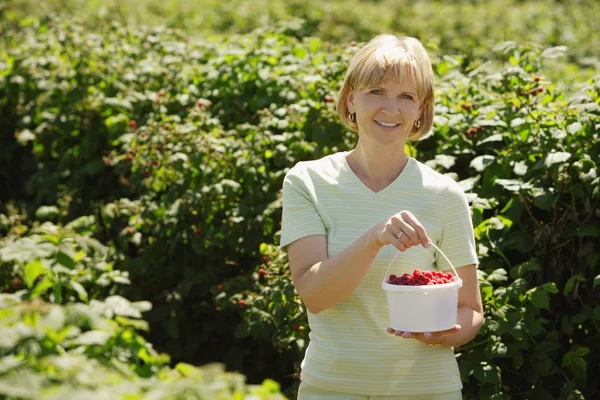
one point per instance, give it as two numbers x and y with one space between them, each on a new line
429 308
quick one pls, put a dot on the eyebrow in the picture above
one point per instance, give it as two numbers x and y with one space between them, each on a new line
379 87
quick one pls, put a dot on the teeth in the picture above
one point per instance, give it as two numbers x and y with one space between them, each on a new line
386 124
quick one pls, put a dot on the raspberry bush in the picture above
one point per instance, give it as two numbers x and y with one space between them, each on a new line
138 165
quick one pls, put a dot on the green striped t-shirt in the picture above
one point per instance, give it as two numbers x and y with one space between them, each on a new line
349 349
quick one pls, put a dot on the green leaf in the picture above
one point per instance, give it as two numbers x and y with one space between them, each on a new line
25 250
518 271
22 383
540 299
596 280
32 270
581 351
65 260
242 331
556 158
498 275
123 307
550 287
545 201
42 287
487 373
571 282
138 324
481 162
579 367
81 292
554 52
94 337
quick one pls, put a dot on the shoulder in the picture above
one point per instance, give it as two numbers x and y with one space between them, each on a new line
433 179
324 166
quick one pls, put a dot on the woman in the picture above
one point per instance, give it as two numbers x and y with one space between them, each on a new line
341 212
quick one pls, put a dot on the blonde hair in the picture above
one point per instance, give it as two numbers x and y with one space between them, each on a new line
373 64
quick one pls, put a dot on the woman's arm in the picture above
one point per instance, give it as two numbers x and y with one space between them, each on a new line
323 282
470 309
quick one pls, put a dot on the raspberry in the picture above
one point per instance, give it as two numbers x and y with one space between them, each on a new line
422 278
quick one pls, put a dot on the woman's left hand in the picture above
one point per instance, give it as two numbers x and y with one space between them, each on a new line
425 337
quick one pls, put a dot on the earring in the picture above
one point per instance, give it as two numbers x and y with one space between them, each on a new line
351 116
418 123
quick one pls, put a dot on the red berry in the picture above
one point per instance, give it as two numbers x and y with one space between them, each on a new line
242 302
422 278
133 124
220 286
297 328
537 79
541 90
328 99
261 272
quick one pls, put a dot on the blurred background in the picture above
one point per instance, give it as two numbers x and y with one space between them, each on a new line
143 146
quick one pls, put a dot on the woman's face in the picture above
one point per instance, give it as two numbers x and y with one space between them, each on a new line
386 113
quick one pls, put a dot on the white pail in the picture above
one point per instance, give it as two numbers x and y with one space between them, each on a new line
430 308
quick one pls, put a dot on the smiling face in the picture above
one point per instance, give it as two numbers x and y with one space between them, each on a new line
386 112
389 86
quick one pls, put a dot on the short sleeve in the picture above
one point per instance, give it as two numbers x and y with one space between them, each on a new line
457 240
300 216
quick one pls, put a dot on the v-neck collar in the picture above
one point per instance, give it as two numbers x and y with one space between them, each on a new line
405 171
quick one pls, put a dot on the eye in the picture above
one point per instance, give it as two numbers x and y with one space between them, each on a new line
376 91
407 96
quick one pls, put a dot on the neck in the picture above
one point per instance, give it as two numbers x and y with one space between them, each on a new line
380 166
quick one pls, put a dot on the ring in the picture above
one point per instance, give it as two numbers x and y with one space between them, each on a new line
399 236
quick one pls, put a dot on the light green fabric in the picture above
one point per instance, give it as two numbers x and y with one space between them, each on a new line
349 349
307 392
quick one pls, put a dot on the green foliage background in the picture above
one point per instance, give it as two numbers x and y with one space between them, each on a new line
141 168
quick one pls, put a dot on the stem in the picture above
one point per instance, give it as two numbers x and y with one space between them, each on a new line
537 224
473 345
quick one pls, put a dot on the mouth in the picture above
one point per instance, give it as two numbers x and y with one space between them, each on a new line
386 124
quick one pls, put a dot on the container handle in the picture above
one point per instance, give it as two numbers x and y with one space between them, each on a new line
431 244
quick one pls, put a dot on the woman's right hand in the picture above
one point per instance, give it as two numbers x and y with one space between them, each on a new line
403 231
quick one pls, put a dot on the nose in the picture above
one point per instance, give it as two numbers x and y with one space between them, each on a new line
391 107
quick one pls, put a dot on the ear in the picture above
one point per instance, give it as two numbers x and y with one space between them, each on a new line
350 101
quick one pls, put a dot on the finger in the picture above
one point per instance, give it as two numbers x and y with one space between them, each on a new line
403 238
406 228
400 245
418 229
391 330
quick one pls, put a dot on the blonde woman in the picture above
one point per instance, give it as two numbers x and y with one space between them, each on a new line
346 216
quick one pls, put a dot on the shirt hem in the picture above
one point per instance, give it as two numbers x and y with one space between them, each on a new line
319 384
